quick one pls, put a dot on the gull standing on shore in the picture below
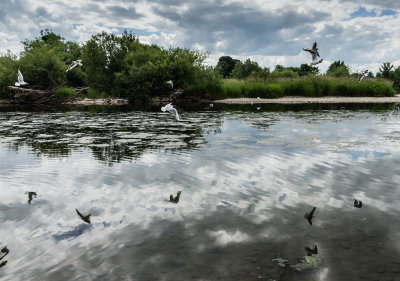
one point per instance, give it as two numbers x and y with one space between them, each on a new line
314 55
21 81
73 64
171 110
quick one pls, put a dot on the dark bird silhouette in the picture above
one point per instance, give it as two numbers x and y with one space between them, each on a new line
5 250
357 203
84 218
31 194
173 199
310 251
309 216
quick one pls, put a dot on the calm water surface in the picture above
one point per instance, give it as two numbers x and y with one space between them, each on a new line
247 178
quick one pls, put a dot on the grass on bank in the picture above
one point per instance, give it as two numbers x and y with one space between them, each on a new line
311 86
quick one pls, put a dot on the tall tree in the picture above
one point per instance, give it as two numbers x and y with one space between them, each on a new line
386 71
338 69
225 66
243 70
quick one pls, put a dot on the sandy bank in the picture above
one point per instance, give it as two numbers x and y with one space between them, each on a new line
298 100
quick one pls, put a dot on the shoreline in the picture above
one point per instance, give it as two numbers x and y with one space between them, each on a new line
302 100
85 101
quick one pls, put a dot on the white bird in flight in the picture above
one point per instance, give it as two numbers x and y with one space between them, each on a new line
314 55
171 110
171 83
21 81
73 64
363 74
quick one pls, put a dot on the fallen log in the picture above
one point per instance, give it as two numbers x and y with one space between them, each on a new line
29 95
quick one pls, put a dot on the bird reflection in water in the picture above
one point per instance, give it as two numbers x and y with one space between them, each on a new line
309 216
357 203
310 251
5 252
84 218
175 199
31 194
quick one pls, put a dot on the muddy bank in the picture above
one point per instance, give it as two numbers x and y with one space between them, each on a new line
300 100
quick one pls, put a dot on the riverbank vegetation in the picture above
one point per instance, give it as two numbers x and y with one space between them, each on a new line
122 67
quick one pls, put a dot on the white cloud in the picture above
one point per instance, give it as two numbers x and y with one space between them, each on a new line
270 32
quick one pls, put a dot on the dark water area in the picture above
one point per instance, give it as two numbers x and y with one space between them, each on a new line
248 176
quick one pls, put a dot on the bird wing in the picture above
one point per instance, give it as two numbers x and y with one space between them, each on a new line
166 107
174 112
79 214
313 53
312 211
20 77
314 46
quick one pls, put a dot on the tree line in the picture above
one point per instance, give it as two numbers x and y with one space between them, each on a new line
121 66
113 65
233 68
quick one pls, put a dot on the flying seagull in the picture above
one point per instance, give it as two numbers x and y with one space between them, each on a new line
310 251
171 110
21 81
84 218
357 203
314 55
73 64
309 216
171 83
31 194
363 74
173 199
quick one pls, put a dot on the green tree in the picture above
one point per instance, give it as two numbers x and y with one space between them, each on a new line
225 66
338 69
386 71
243 70
396 78
8 72
306 70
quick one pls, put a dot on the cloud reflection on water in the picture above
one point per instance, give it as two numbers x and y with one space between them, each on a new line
270 176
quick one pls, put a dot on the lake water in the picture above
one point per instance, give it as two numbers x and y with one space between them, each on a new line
247 178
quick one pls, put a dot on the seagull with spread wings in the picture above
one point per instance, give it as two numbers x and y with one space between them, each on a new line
171 110
21 81
363 74
314 54
73 64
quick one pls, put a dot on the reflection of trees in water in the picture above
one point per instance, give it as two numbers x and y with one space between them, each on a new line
112 137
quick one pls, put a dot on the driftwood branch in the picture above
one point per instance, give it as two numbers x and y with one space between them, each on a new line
28 95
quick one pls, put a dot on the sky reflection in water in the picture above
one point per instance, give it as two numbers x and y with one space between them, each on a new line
247 179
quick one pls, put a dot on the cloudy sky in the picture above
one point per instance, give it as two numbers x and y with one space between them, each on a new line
362 33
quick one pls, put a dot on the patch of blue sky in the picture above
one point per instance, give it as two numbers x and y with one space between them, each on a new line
364 13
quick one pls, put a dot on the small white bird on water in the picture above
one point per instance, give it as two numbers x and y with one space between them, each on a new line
363 74
314 55
21 81
73 64
171 83
171 110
